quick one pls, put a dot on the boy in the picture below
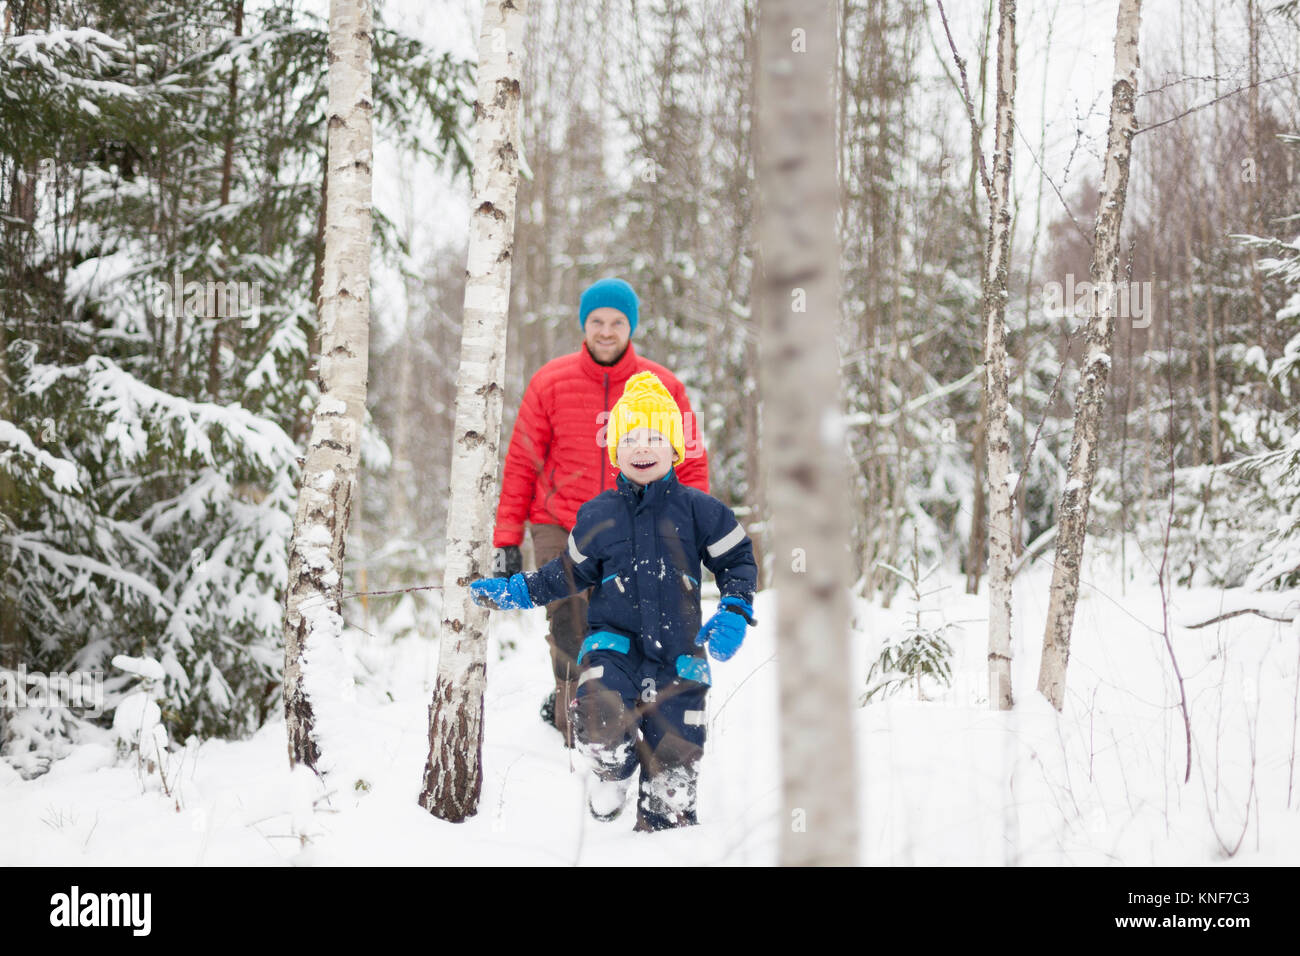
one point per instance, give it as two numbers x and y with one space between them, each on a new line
643 675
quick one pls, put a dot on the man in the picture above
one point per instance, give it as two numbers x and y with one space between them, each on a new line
640 548
557 460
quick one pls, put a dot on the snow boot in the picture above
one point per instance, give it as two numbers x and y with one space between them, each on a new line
606 798
666 799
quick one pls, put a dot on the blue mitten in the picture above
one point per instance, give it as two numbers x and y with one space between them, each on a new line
725 630
501 594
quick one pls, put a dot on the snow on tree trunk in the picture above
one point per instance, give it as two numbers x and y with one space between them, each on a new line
1104 270
998 435
803 434
452 774
312 602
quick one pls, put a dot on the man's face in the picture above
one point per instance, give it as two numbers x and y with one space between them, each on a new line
645 455
606 334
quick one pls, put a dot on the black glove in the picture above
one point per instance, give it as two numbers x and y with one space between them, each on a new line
507 561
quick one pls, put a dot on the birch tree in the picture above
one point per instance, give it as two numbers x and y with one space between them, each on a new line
329 478
452 773
997 441
1104 274
798 298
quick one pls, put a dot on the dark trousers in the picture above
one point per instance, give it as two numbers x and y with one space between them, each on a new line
566 617
632 711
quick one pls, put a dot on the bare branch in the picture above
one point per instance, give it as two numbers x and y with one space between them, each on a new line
970 104
1217 99
1238 613
1056 189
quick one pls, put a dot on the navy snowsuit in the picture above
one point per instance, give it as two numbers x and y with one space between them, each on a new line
640 549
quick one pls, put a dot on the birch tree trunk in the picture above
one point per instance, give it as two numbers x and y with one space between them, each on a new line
1104 269
979 524
997 439
1256 225
312 599
798 297
452 774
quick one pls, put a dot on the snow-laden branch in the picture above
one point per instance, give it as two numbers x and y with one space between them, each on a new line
888 418
63 471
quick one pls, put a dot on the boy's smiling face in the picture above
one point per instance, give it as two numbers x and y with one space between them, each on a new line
645 455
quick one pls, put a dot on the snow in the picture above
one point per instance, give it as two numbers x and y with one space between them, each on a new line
137 722
329 405
128 403
65 564
145 667
63 471
943 781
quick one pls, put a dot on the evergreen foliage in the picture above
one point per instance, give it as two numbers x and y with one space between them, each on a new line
161 169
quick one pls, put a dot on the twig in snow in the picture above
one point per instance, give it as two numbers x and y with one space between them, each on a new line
718 713
1245 825
85 843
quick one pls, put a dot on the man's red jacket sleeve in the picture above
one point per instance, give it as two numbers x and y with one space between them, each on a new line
694 471
529 443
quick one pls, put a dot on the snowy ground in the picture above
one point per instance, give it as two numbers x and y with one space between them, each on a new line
943 781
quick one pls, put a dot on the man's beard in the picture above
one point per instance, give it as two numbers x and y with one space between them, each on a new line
614 361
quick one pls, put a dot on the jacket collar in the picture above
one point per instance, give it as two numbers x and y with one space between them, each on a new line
648 496
620 371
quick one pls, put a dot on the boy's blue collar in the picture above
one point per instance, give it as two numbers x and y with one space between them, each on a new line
654 490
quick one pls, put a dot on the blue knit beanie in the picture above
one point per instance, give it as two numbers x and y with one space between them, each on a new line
612 293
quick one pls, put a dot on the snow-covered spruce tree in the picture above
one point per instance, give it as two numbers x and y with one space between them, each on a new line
147 501
799 288
1197 343
920 654
163 500
453 776
1277 471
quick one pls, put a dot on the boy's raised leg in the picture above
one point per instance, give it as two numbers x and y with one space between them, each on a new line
604 724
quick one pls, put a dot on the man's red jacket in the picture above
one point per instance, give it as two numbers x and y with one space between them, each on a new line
557 459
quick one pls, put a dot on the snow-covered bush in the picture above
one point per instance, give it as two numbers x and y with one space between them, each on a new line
137 718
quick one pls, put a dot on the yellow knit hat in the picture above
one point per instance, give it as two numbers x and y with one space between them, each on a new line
645 404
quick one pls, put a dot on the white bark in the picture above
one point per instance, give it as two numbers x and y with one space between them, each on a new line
1073 508
803 427
452 774
329 476
998 435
